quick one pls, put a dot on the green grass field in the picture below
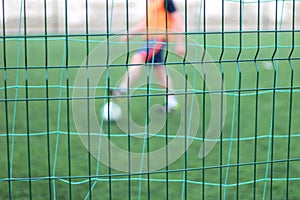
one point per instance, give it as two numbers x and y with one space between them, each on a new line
257 155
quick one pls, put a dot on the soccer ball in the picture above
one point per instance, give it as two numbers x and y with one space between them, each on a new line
111 112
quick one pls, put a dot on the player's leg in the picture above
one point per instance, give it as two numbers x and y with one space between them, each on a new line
163 78
143 55
166 82
131 75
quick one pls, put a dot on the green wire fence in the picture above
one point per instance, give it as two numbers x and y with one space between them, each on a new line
235 135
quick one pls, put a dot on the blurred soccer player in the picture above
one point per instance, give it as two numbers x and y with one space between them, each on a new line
162 18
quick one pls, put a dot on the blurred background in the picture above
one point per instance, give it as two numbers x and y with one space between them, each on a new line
80 16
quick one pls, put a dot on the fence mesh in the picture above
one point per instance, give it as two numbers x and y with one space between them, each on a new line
235 135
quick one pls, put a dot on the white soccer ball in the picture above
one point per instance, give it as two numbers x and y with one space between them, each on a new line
111 112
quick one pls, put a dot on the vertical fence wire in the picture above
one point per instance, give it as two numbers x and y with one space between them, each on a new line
203 8
108 82
222 100
241 36
9 183
87 46
291 101
129 181
185 183
270 155
166 100
47 98
256 98
67 82
27 103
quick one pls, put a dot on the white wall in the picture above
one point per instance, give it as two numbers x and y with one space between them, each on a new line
97 15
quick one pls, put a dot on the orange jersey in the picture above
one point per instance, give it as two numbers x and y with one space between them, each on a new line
159 20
